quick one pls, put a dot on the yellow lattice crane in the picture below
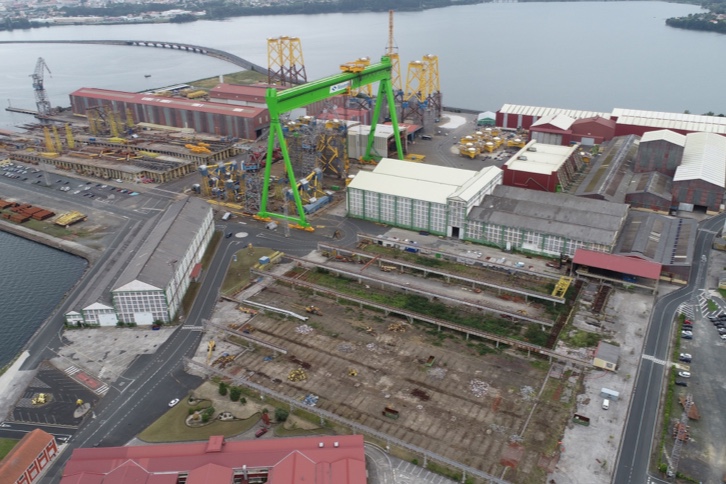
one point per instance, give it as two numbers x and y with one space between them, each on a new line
392 53
92 116
129 118
285 62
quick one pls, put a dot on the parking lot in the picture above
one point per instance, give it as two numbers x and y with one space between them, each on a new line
62 393
704 456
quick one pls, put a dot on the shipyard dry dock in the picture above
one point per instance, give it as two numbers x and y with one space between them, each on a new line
464 399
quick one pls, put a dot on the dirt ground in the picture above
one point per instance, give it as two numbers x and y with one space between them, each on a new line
475 409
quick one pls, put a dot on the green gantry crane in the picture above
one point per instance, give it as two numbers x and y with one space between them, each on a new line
353 77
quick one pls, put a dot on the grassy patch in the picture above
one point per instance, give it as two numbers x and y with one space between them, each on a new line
241 77
578 338
281 431
722 292
6 446
238 273
712 306
171 427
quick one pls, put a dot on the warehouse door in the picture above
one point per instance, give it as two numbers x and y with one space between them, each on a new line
455 233
547 138
587 141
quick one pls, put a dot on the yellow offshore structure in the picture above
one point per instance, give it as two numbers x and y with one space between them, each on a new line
285 63
70 218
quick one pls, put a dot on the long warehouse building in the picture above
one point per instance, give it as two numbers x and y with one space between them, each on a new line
220 119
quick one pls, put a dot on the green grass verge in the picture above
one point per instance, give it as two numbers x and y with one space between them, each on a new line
712 306
238 274
578 338
281 431
6 446
242 77
171 427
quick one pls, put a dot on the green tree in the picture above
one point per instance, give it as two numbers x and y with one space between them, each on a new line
281 414
222 388
235 393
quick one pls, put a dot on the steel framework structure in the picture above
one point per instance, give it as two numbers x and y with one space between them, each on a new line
289 99
285 61
41 97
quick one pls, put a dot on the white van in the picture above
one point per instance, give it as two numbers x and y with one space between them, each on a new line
226 216
605 404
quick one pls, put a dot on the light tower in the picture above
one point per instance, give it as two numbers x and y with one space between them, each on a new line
41 97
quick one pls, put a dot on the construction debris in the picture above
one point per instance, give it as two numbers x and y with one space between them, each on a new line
346 348
352 372
478 388
371 347
297 374
397 327
438 372
247 310
304 329
527 393
421 395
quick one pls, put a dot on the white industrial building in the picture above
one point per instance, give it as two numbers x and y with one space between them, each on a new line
420 197
382 139
155 281
98 314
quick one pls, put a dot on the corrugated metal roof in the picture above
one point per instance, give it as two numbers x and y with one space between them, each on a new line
484 177
541 111
171 102
434 192
545 160
576 218
169 241
559 121
664 135
617 263
678 117
429 183
96 306
704 158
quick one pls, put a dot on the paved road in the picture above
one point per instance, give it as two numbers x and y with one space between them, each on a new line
640 428
17 430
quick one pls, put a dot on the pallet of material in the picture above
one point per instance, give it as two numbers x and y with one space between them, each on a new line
5 204
20 208
42 215
16 217
30 211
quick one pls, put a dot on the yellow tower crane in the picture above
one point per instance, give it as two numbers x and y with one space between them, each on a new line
70 141
392 53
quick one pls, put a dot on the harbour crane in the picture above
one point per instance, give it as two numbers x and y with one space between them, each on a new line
41 97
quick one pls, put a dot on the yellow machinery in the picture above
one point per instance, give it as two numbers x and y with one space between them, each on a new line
516 143
197 148
285 63
129 118
197 94
488 146
470 150
357 66
415 158
562 286
416 83
70 218
211 345
79 402
40 399
110 119
313 310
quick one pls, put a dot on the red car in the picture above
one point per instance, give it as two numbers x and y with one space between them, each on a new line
261 432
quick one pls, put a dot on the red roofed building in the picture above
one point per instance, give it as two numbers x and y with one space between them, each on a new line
309 460
251 95
220 119
612 266
28 458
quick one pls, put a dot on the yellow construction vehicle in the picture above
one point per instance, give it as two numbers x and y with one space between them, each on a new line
211 345
313 310
40 399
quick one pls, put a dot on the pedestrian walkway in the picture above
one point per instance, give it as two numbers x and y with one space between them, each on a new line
93 384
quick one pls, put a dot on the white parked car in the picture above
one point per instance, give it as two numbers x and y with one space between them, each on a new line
689 333
684 374
723 336
686 356
173 402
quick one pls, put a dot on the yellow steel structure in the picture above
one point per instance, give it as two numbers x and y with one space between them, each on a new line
57 141
70 218
129 118
285 62
416 82
562 286
70 141
432 73
49 146
111 122
92 116
391 52
516 143
469 149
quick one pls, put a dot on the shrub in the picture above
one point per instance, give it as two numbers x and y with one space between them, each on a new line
235 393
222 388
281 414
243 401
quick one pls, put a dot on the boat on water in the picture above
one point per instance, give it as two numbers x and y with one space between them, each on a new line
147 75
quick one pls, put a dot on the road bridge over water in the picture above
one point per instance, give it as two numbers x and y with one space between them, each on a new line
156 44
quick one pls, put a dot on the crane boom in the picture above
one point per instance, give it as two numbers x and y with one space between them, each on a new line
41 97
